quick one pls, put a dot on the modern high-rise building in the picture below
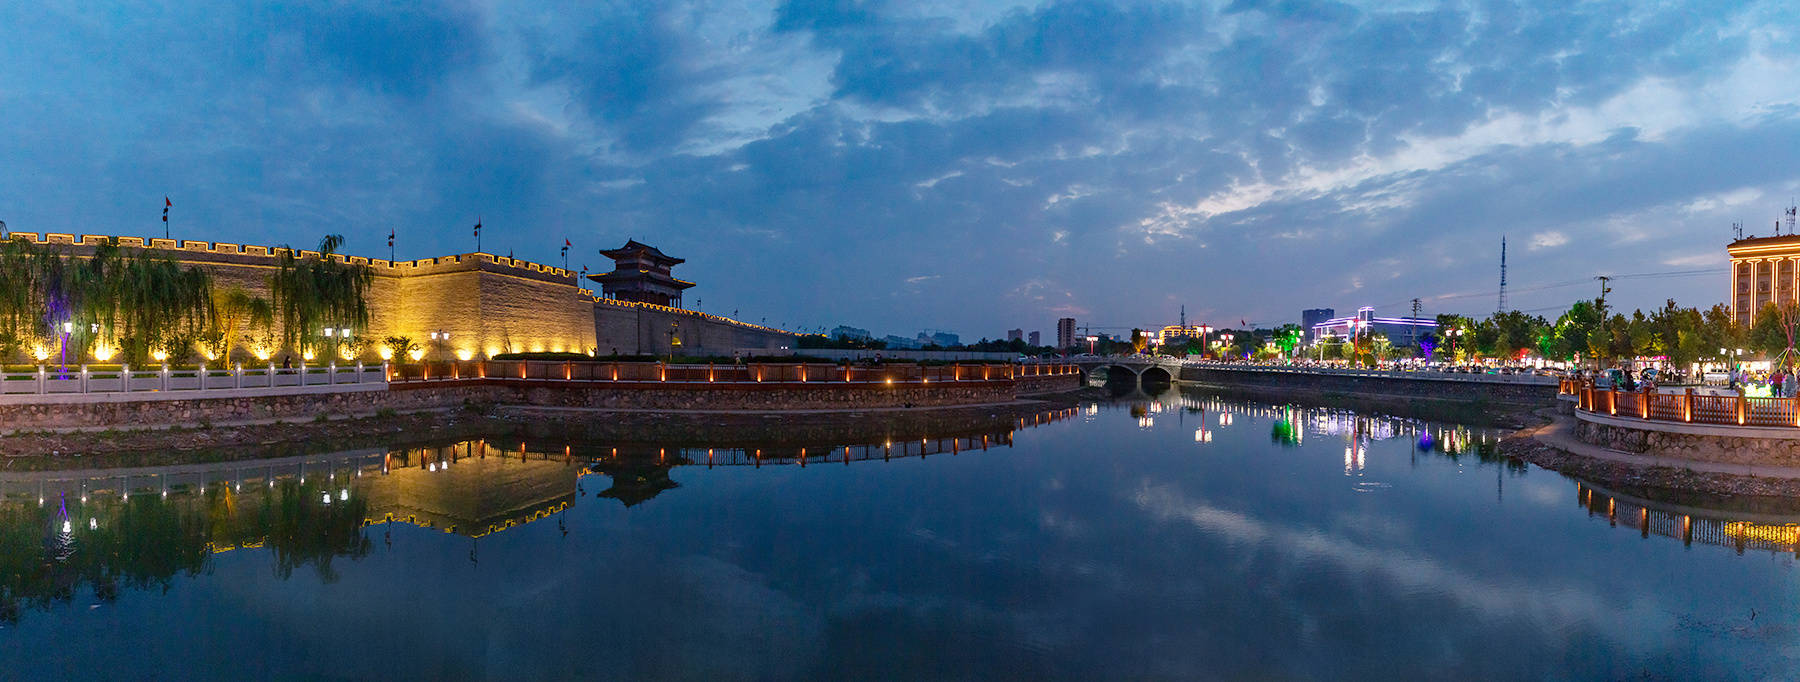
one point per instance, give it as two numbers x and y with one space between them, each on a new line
1015 335
1034 338
1065 333
1312 318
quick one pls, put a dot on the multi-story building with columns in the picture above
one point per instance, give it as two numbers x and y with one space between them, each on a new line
1762 271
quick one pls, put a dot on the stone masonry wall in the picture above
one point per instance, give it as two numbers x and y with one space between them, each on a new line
487 304
1050 384
1706 448
192 412
421 396
642 329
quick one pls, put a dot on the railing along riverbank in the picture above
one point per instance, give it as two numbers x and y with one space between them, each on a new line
748 373
1688 406
1526 379
102 379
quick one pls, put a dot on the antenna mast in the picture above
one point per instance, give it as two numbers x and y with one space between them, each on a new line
1737 227
1791 210
1502 307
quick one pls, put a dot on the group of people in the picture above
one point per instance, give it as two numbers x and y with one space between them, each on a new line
1781 381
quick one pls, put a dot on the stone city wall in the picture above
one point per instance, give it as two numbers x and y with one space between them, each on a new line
645 329
486 304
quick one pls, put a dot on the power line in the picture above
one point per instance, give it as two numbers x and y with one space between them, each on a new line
1666 274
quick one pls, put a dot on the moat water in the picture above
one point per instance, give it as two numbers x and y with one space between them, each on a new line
1174 537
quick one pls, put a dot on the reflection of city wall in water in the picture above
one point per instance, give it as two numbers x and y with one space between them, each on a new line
114 529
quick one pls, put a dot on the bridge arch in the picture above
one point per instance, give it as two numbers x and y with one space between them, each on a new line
1156 373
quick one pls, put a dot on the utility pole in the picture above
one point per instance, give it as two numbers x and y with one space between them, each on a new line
1413 329
1604 290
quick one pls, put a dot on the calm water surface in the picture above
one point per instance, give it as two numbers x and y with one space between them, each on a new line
1178 538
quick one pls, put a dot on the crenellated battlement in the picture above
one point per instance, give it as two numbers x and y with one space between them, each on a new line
482 304
188 248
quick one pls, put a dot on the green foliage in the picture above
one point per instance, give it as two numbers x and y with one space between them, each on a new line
402 347
317 293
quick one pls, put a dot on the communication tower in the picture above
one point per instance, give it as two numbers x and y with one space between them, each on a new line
1502 307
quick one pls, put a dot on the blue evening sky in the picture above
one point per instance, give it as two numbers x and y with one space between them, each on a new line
974 167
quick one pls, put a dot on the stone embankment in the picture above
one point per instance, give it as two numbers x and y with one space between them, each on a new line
419 396
1405 386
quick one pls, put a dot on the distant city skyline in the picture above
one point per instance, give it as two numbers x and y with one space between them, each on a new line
965 167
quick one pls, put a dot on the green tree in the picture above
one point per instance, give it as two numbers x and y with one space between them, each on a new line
318 292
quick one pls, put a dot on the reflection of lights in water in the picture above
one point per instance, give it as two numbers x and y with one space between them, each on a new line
67 527
1201 435
1786 534
1146 421
325 498
1224 419
1354 455
343 494
1093 409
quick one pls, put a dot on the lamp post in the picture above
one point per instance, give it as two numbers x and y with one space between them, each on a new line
1204 330
1454 333
438 339
1091 339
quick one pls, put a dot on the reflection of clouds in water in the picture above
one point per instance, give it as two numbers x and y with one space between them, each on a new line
1549 607
701 618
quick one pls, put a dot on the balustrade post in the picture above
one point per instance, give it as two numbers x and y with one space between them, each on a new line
40 380
1743 405
84 378
270 374
302 370
1687 408
237 381
165 377
1644 403
125 377
202 376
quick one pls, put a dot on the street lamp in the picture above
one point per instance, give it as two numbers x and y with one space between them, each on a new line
1091 339
1453 333
439 338
1204 330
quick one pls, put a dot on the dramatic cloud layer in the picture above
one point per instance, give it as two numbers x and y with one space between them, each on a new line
905 165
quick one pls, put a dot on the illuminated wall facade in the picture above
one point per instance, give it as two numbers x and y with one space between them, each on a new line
1762 272
478 305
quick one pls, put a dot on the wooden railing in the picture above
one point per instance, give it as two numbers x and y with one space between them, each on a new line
751 373
1687 406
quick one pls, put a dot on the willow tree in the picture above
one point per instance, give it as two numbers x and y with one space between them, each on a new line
160 306
316 293
233 315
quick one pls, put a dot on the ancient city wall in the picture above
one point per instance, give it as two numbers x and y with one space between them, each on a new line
637 328
486 304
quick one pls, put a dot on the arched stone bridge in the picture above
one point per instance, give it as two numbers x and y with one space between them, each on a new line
1140 367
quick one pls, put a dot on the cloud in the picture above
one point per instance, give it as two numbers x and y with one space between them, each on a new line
789 147
1548 240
